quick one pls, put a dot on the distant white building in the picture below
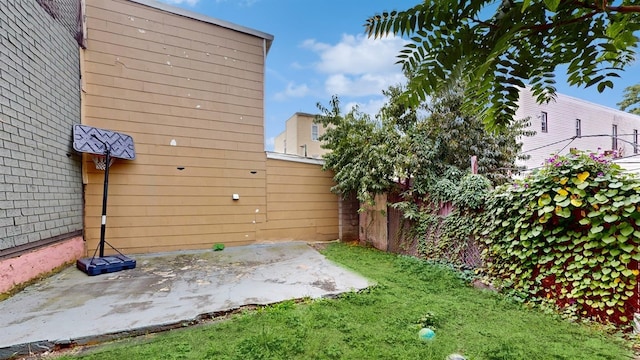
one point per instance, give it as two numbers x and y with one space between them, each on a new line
569 122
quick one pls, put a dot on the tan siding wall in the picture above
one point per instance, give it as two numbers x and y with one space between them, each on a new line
300 204
160 77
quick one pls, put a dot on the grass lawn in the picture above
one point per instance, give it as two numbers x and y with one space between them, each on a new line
381 323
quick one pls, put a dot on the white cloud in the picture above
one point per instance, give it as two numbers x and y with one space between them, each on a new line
358 65
245 3
358 54
371 106
361 85
312 44
292 91
180 2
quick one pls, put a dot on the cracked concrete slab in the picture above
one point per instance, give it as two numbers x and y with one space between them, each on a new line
164 290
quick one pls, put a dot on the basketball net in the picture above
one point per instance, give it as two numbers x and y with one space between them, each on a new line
101 161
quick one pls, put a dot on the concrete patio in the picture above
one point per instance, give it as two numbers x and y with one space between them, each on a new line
164 291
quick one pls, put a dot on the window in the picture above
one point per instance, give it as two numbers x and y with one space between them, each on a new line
314 132
578 128
635 141
543 122
285 146
614 137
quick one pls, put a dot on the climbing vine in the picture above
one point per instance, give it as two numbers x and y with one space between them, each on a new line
445 238
569 234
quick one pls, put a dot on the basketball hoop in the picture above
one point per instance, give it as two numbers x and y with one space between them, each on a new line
101 161
102 144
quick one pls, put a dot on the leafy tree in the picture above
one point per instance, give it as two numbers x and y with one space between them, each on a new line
363 152
631 100
499 46
418 147
457 135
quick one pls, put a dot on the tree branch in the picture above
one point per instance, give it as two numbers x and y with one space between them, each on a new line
625 8
548 26
485 23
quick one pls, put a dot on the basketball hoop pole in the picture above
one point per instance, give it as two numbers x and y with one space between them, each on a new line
112 145
103 225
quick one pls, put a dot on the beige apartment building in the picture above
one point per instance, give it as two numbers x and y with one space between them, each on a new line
570 122
301 137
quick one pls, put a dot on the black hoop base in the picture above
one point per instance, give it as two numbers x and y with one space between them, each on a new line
105 264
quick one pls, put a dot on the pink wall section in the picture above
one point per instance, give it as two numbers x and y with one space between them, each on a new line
15 271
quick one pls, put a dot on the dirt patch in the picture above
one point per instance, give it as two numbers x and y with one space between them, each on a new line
321 245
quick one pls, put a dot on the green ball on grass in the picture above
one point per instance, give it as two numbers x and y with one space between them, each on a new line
426 334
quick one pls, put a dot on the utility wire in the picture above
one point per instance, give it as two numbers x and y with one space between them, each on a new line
569 143
547 145
571 139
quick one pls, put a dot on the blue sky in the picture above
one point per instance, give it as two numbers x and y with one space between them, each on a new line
320 49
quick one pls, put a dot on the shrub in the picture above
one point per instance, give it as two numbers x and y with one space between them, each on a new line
568 234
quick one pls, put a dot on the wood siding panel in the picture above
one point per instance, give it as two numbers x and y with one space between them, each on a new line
129 18
228 124
188 135
188 220
160 210
161 77
152 81
176 242
174 181
205 111
300 204
146 200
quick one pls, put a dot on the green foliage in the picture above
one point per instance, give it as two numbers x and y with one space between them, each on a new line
443 190
428 320
455 135
631 100
218 247
363 152
472 192
499 46
568 234
421 152
446 238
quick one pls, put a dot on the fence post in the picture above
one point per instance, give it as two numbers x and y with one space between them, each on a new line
474 164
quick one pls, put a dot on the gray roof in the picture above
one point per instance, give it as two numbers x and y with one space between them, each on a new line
207 19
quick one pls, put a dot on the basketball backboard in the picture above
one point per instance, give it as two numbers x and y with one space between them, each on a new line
92 140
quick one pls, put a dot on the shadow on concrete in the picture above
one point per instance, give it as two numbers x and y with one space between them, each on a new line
164 291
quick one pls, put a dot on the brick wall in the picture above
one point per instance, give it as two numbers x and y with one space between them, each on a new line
66 13
40 176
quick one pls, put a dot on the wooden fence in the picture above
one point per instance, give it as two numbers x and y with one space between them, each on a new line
386 228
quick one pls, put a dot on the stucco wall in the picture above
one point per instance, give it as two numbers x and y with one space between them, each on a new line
296 138
40 182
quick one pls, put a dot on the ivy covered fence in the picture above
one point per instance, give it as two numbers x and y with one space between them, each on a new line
568 235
